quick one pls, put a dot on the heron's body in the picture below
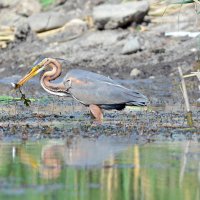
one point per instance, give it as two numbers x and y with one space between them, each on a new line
91 89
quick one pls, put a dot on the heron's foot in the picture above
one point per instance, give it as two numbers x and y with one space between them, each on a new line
96 113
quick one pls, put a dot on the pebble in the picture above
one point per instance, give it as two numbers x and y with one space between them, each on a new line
132 45
135 72
28 7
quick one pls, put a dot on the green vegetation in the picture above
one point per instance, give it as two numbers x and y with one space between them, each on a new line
186 1
46 3
6 99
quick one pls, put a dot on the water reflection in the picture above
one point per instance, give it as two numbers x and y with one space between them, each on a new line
106 168
77 152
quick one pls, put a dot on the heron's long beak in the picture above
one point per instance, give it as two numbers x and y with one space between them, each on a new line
34 71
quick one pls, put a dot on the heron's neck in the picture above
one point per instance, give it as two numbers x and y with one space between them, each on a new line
48 76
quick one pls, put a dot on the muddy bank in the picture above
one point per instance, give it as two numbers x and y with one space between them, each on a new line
58 117
114 50
52 117
160 56
151 126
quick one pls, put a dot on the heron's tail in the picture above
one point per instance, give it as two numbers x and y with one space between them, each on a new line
137 99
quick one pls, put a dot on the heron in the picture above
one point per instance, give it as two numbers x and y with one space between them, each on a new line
93 90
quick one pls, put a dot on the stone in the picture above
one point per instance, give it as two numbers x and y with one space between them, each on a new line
135 72
11 19
21 7
103 38
76 26
111 16
8 3
71 30
28 7
2 70
22 31
132 45
46 21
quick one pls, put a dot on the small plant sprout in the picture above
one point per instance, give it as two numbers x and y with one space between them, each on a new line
27 101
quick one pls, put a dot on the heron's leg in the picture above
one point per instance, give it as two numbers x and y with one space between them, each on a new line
96 113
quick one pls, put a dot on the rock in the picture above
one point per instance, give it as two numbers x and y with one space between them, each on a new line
46 21
72 30
21 7
2 70
11 19
132 45
8 3
135 72
22 31
103 38
111 16
28 7
76 26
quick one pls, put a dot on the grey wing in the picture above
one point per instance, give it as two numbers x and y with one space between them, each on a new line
90 88
87 75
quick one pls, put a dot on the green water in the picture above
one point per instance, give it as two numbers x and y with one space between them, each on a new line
106 168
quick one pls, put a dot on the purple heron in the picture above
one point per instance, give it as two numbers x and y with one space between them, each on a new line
93 90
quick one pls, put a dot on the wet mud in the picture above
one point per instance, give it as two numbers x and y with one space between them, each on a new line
55 117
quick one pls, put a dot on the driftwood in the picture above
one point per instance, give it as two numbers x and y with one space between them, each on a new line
6 35
162 9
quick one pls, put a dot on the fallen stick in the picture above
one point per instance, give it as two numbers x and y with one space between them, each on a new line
163 10
5 33
7 38
50 32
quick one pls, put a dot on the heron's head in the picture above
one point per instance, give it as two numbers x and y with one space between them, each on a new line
38 66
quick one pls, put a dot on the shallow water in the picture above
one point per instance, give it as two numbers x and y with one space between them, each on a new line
113 161
103 168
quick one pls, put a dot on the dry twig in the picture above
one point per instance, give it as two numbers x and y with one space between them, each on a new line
185 96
